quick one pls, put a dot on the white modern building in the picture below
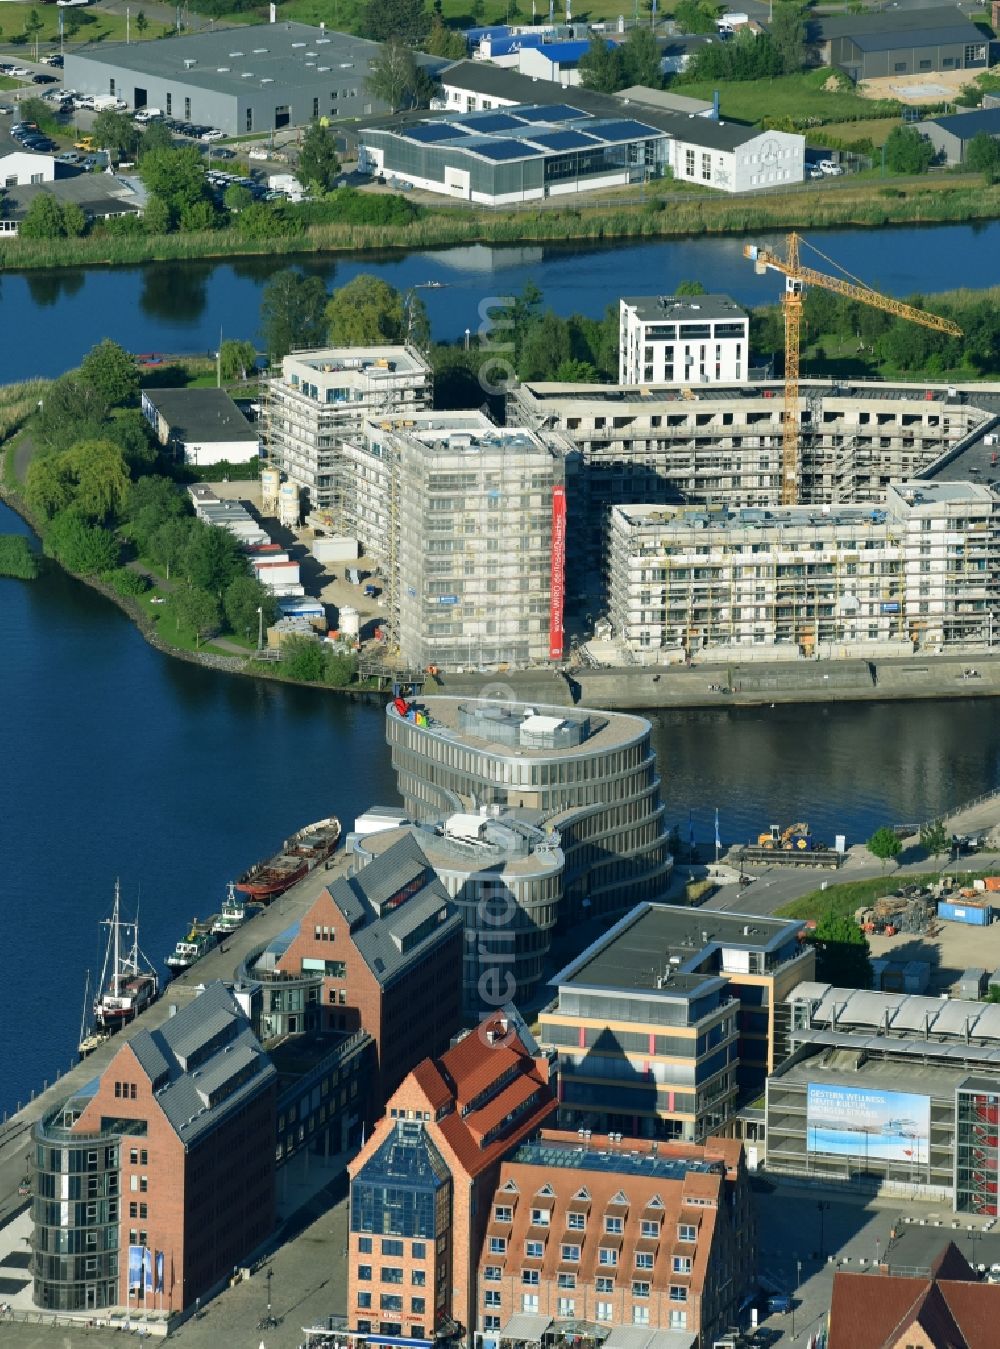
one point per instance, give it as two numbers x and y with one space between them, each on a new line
200 426
319 397
21 169
681 339
793 581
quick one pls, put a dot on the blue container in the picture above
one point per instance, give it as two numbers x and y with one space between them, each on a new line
966 911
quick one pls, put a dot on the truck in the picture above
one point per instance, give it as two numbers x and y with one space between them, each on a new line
107 102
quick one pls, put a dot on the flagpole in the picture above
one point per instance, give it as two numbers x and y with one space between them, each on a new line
718 841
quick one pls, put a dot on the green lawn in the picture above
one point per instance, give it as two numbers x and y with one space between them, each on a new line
875 130
801 97
96 25
7 83
842 900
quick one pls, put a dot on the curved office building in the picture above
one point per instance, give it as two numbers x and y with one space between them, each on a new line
591 776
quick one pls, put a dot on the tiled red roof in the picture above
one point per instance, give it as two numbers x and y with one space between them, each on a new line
474 1062
480 1122
431 1083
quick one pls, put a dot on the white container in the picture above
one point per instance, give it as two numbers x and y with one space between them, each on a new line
350 621
288 504
334 548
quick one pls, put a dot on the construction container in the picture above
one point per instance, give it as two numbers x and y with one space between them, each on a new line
288 504
334 548
972 984
270 482
992 884
350 621
974 912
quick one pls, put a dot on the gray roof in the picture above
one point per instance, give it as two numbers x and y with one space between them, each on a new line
97 194
203 1064
201 414
905 27
681 308
904 1014
953 34
231 59
965 125
392 929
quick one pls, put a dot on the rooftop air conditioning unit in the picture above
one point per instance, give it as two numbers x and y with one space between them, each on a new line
189 61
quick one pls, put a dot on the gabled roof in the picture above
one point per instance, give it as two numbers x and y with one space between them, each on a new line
907 27
965 125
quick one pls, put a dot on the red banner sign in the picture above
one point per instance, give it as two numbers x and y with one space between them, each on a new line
557 588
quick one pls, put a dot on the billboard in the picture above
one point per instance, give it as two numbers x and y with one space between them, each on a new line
557 577
890 1126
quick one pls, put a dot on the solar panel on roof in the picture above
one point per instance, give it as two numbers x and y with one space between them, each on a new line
563 140
428 133
623 131
558 112
492 121
503 149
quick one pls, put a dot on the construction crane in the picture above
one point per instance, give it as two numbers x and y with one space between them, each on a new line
796 278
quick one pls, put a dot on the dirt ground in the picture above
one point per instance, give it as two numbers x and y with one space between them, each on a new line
935 86
954 949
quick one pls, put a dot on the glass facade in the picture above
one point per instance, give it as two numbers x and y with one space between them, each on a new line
405 1189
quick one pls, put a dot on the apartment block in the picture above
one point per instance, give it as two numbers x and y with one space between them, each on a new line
421 1185
319 397
590 776
665 1019
505 877
623 1236
157 1180
469 522
378 951
683 340
801 580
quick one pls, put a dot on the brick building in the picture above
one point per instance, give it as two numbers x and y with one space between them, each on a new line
944 1307
381 950
421 1186
616 1234
157 1179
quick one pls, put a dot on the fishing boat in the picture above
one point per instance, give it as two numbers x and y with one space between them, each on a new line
132 983
301 853
198 942
89 1038
235 912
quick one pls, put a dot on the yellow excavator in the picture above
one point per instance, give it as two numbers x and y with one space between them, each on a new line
796 838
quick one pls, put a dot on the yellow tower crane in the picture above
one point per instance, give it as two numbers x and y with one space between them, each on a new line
796 277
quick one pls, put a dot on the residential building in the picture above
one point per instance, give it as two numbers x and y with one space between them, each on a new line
421 1186
504 875
622 1236
685 340
900 1088
591 776
898 42
321 397
843 581
377 951
20 169
667 1017
264 78
100 196
156 1180
200 426
943 1307
951 135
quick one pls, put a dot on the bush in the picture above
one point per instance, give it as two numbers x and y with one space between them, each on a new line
16 557
125 582
350 207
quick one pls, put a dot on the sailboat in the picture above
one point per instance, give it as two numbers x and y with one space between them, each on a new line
89 1038
132 983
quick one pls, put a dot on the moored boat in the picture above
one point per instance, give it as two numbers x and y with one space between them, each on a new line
301 853
198 942
132 984
234 913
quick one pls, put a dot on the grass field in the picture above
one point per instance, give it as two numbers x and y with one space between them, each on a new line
96 25
842 900
876 130
801 97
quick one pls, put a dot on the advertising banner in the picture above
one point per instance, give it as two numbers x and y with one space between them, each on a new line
147 1260
557 579
135 1270
890 1126
159 1271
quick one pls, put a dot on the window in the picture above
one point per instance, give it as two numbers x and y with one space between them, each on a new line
491 1323
682 1264
613 1225
133 1156
640 1289
569 1252
678 1293
392 1248
364 1272
364 1245
492 1273
604 1312
170 104
315 107
649 1227
567 1306
534 1250
566 1280
249 119
689 163
540 1217
678 1319
498 1245
640 1316
644 1260
364 1300
418 1278
111 86
503 1214
706 168
607 1256
187 110
392 1274
417 1305
687 1232
491 1298
529 1277
605 1285
418 1250
576 1222
529 1302
390 1302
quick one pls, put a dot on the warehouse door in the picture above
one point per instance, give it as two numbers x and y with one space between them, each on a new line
141 98
282 117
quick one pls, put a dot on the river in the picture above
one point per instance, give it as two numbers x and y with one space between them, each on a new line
50 319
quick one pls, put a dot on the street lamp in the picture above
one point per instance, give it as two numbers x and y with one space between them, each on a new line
260 643
822 1205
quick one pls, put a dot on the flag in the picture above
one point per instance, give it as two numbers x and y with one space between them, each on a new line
691 829
159 1271
718 841
147 1261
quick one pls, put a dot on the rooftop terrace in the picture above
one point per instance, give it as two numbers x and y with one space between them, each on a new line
581 1157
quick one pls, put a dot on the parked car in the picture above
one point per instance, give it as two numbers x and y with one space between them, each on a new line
828 167
6 109
45 79
258 152
20 73
68 157
213 134
779 1302
89 162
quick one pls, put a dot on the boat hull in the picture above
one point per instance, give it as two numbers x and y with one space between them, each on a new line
302 853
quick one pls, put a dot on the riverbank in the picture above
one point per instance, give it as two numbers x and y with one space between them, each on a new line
854 201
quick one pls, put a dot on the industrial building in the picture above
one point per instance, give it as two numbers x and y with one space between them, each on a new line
951 135
422 1184
916 574
156 1180
505 876
468 522
898 42
200 426
319 397
20 169
892 1087
622 1242
258 78
685 340
592 776
666 1018
722 446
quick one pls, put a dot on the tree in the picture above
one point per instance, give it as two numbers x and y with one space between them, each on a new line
212 558
198 216
934 838
695 16
157 216
393 76
152 502
906 151
576 372
84 548
841 952
318 162
366 310
197 609
982 155
116 133
602 67
641 56
788 35
74 220
112 371
302 658
884 844
546 345
237 197
155 136
71 410
44 219
141 23
99 477
242 598
293 312
33 25
129 430
443 41
693 288
237 359
406 21
176 176
168 544
47 489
